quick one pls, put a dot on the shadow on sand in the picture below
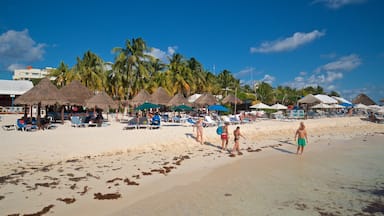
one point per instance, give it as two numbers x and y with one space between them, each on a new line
283 150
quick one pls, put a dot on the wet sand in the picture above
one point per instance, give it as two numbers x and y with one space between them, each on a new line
346 177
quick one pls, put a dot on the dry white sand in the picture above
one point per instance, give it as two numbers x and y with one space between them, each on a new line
75 164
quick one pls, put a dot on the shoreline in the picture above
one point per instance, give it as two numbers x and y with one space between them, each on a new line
46 178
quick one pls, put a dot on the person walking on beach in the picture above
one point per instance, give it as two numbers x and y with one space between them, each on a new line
302 139
224 137
237 135
199 130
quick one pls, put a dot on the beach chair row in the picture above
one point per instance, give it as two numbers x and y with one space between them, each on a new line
141 123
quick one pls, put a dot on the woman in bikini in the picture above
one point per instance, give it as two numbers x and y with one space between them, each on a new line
237 135
199 131
224 136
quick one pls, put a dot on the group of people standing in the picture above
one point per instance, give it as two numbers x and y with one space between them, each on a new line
300 137
224 136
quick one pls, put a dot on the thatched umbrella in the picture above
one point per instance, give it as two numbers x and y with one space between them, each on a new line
44 93
160 96
206 99
101 100
76 93
178 99
231 99
142 97
363 99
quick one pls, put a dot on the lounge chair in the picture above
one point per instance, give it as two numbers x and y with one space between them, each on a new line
76 121
21 125
142 123
9 127
209 121
155 124
131 124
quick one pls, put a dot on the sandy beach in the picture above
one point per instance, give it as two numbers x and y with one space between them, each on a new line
111 171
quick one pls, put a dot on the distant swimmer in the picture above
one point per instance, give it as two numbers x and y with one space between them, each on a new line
302 139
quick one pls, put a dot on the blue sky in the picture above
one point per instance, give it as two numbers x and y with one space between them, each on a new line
337 44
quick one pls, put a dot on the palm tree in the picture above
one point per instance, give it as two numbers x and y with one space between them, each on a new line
179 75
265 93
62 75
91 70
131 63
227 81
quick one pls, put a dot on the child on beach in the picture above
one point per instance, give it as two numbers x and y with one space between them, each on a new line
237 135
302 139
224 136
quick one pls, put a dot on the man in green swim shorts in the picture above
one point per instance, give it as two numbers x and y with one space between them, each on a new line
302 139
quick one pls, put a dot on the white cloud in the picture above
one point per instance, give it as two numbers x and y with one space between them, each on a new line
332 76
172 50
158 53
286 44
328 74
268 79
162 55
17 47
299 79
303 73
336 4
13 67
247 73
345 63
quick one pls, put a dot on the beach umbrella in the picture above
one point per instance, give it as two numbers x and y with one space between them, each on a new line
146 106
44 93
364 99
279 107
141 97
360 106
346 105
206 99
260 106
374 107
218 107
182 108
309 99
76 93
160 96
231 99
336 106
178 99
321 106
101 100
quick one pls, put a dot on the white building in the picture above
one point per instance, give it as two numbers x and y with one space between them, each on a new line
31 73
10 90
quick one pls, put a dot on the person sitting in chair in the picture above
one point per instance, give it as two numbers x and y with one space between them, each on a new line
156 119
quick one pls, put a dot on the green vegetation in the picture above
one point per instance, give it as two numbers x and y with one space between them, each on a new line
133 69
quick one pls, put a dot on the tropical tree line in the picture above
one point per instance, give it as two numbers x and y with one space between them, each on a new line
134 69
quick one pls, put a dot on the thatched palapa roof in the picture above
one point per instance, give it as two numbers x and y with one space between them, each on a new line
101 100
142 97
178 99
206 99
231 99
363 99
160 96
44 92
76 93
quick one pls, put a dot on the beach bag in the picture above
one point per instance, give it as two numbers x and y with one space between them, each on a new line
219 130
